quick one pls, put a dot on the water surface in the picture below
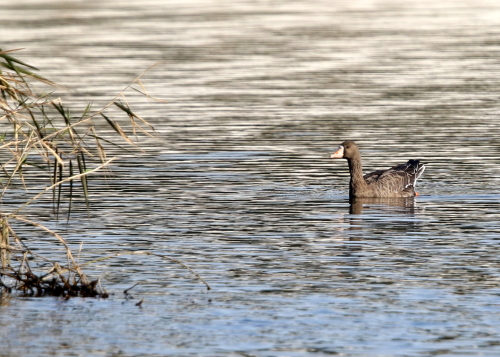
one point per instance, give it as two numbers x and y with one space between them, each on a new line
238 184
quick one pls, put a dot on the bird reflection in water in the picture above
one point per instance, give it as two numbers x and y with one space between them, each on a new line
389 207
404 205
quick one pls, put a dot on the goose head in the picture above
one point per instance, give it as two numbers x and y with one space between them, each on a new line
347 150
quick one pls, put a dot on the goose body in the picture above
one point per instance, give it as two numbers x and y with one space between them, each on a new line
398 181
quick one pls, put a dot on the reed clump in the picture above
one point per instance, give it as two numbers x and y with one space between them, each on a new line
46 150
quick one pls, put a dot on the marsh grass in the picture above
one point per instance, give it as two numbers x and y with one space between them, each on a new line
46 150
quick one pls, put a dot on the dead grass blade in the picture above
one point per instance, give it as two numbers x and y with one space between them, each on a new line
59 183
152 254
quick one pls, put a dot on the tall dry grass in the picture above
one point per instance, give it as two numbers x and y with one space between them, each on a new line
42 140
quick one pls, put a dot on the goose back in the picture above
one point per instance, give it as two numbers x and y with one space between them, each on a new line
399 180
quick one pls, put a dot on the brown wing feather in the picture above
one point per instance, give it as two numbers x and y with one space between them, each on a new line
398 178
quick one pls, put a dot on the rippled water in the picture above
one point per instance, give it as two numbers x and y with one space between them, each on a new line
238 184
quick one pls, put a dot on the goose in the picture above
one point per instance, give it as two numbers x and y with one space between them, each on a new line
398 181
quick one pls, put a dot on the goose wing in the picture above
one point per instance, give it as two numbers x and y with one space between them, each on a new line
398 178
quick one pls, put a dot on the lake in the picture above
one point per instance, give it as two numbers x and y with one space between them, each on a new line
238 184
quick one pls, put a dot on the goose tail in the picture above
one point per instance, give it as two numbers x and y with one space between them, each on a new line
416 168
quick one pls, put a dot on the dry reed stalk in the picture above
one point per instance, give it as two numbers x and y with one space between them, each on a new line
40 132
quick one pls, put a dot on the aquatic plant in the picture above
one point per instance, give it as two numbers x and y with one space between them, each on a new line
45 148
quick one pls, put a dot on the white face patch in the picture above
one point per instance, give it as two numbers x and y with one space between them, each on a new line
339 154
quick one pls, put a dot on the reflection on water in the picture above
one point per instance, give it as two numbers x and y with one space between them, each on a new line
398 204
238 185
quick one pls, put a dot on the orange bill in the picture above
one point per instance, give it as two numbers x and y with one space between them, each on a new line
339 154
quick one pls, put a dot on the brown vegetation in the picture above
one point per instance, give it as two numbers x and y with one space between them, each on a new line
41 138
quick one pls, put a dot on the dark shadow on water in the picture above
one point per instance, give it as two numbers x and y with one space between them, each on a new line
379 216
404 205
